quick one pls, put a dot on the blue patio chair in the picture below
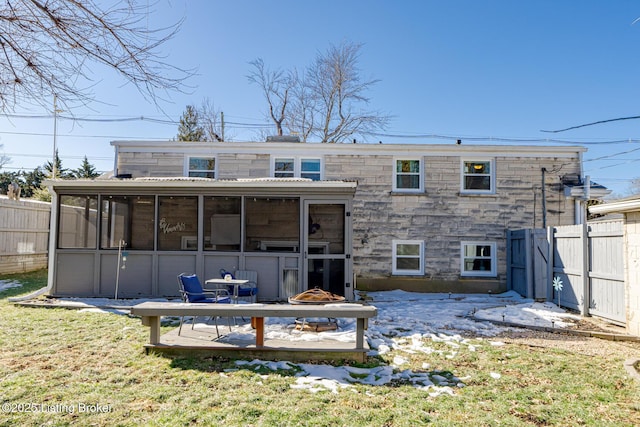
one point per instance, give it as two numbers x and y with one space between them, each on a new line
249 289
191 290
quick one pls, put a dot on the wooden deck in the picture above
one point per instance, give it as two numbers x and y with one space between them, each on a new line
203 342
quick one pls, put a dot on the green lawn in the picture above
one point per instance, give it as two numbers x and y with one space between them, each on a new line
63 367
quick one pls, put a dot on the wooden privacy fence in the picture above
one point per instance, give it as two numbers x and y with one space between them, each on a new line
24 235
588 259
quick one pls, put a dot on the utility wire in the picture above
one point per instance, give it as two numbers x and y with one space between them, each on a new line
591 124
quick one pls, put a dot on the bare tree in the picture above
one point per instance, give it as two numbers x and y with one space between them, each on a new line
300 119
212 122
276 87
47 48
335 84
4 159
327 102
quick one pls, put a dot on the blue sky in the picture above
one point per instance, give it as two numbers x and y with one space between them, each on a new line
481 71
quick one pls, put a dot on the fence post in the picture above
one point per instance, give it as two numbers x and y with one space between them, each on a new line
586 302
509 261
550 266
528 244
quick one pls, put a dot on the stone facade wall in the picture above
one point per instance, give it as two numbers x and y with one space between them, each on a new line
632 272
243 165
441 216
172 164
150 164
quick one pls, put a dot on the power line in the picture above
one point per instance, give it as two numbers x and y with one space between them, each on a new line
499 139
401 135
83 136
44 156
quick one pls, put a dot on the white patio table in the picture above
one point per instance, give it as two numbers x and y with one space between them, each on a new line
223 283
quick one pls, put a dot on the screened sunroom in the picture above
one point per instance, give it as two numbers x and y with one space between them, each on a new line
130 238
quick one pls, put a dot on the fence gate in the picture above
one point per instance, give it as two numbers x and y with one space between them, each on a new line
528 265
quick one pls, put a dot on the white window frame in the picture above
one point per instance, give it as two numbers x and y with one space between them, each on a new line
420 174
491 174
187 161
297 166
479 273
395 256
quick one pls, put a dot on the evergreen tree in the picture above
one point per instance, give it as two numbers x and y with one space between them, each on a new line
41 192
189 128
32 181
86 170
7 178
60 171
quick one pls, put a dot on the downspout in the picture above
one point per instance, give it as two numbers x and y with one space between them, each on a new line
587 195
53 236
115 160
577 215
544 200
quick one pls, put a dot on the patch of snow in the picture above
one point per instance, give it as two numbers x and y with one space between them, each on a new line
8 284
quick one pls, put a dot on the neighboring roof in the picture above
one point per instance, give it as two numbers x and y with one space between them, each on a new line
629 204
596 191
291 148
193 184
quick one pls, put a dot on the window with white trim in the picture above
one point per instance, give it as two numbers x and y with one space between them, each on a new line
478 176
408 257
201 167
311 169
478 259
297 167
408 175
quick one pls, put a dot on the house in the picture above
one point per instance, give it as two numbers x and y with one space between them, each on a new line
429 218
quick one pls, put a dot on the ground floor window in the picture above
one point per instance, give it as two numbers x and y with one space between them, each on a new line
127 221
478 259
408 257
272 224
78 221
222 223
177 223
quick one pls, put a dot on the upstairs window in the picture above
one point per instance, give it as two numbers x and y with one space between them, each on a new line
295 167
407 175
202 167
310 168
478 176
284 168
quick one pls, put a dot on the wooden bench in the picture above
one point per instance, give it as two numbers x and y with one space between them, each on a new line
151 312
